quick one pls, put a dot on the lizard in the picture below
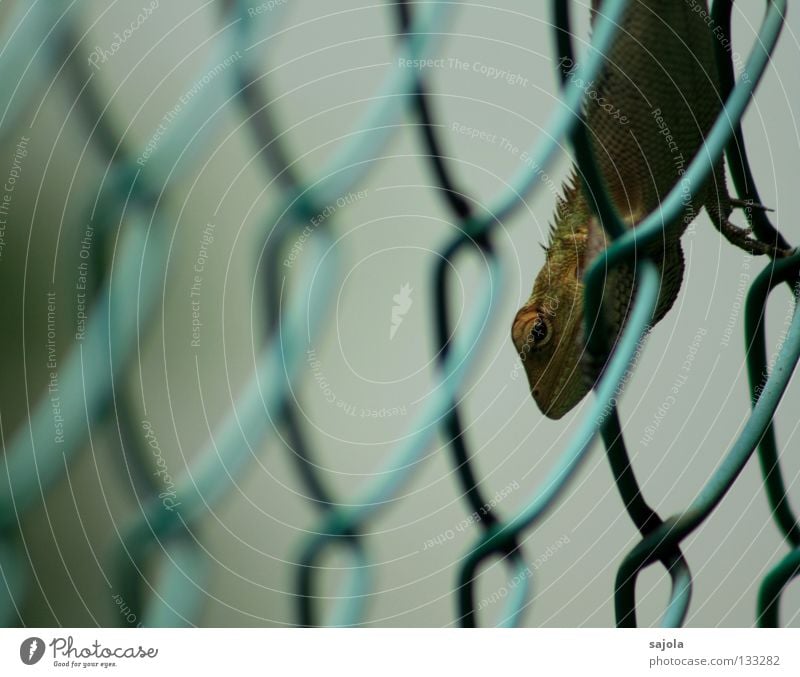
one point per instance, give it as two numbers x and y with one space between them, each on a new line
654 100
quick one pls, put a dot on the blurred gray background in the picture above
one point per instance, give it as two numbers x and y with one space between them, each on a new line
322 70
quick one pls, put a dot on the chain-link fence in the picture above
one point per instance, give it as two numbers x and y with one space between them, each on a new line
162 569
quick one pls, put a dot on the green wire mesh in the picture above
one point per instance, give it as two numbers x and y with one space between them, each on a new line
126 213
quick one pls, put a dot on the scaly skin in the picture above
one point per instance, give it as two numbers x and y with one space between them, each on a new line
659 98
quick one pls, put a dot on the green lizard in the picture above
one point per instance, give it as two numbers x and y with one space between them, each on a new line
654 100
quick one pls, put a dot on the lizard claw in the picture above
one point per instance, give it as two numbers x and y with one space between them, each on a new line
749 204
742 238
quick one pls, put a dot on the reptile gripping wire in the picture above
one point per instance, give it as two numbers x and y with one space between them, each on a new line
607 285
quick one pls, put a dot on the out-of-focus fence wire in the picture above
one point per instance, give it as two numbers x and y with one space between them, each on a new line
47 37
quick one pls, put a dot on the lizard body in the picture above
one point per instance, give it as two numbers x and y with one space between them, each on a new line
660 79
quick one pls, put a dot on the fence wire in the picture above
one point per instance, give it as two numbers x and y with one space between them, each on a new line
45 37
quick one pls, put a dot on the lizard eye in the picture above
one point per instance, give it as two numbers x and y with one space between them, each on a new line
539 333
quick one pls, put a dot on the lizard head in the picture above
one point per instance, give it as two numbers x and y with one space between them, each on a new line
548 333
548 330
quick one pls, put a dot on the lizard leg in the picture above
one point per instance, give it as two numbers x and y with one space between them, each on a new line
719 205
742 238
719 209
